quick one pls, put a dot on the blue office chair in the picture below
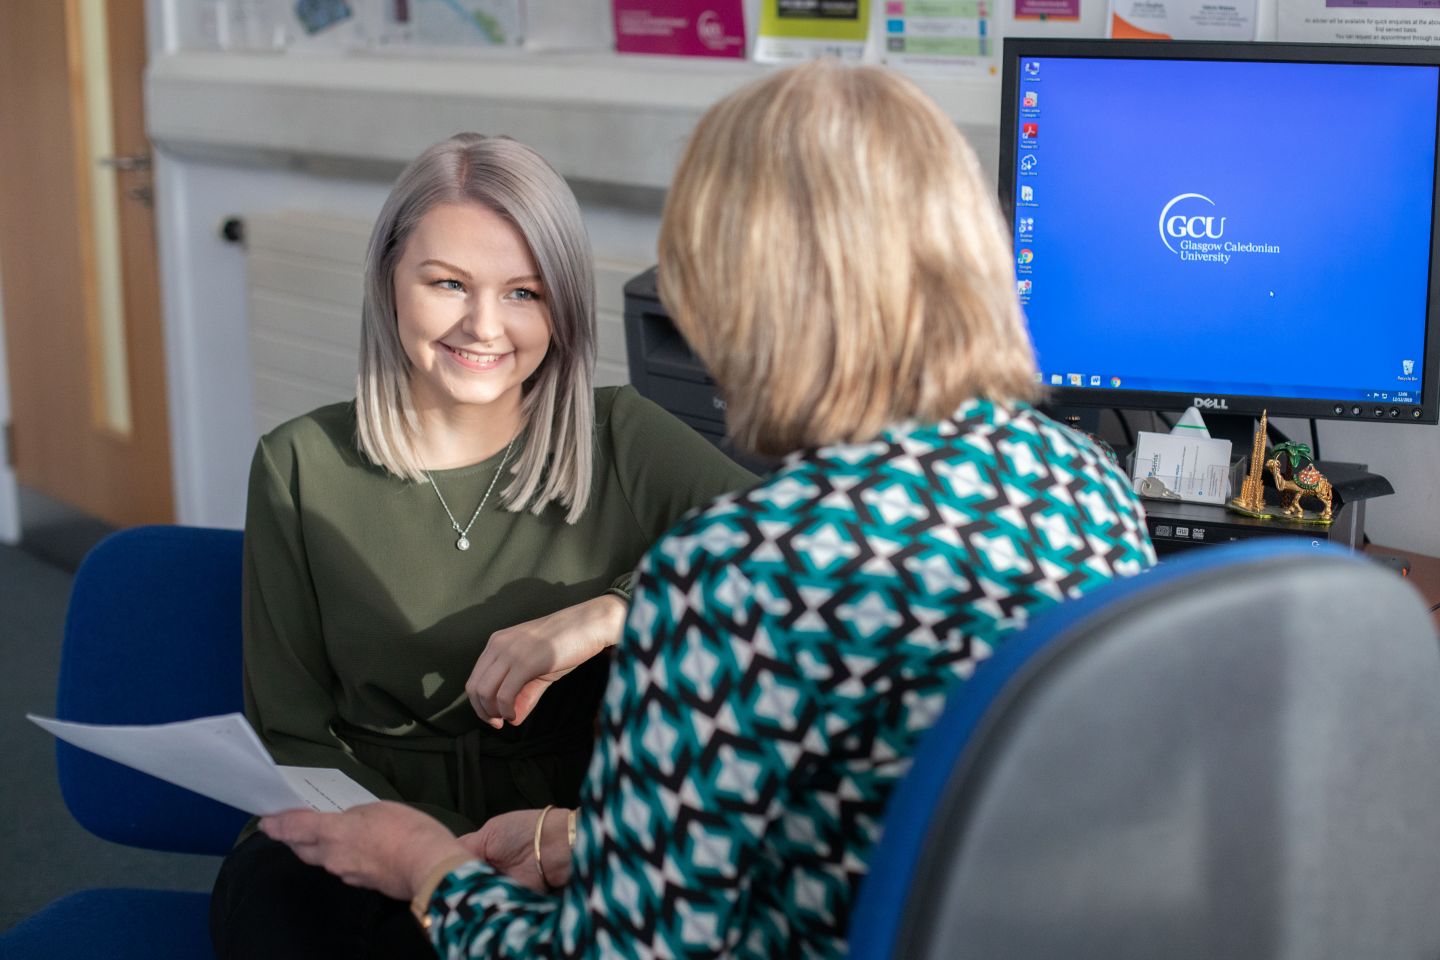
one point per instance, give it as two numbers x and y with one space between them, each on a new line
152 635
1235 755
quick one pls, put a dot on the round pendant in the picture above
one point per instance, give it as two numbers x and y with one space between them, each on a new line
463 543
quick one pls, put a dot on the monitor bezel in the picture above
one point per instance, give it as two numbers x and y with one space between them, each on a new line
1018 48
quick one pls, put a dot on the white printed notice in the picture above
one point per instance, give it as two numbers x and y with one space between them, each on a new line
1182 19
1359 21
216 757
950 34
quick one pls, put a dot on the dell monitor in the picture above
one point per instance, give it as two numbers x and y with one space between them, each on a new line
1236 227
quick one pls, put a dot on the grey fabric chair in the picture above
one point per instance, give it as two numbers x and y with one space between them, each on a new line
1236 755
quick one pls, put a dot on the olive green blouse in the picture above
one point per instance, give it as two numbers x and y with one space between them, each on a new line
363 620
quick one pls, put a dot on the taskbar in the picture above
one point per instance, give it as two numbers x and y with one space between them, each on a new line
1097 381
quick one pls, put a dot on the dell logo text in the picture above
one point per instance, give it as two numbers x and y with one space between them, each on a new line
1211 403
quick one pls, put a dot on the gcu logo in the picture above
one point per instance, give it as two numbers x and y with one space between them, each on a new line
1181 226
1211 403
710 30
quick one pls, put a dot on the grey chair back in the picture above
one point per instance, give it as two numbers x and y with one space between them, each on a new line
1239 763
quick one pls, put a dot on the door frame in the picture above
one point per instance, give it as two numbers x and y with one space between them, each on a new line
9 489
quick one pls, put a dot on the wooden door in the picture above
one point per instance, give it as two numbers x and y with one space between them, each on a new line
85 348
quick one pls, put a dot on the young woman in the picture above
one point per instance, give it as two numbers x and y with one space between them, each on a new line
831 250
433 570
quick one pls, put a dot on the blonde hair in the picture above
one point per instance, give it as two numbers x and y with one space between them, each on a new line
831 251
558 410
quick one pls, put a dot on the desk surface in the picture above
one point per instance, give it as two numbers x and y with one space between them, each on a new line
1424 573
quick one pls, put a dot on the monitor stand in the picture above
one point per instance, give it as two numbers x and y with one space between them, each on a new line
1238 428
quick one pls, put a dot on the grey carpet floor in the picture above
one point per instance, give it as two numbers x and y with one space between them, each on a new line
45 854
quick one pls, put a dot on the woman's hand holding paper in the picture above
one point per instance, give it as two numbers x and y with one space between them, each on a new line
384 846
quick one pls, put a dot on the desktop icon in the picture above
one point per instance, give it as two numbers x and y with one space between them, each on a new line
1029 162
1025 256
1056 379
1114 382
1026 225
1022 287
1027 194
1029 131
1408 366
1032 99
1032 68
1094 379
1077 379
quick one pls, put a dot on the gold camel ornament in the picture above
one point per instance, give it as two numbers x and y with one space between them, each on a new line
1308 482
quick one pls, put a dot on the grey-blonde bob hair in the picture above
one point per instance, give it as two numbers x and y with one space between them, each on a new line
558 410
832 252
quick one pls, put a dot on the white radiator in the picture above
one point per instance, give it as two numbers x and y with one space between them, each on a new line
304 276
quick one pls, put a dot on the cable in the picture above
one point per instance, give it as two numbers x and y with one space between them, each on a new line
1125 427
1314 441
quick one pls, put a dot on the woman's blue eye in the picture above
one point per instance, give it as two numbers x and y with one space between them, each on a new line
450 284
525 293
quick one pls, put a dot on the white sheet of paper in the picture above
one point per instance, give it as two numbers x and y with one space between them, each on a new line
325 789
217 757
1183 19
1352 21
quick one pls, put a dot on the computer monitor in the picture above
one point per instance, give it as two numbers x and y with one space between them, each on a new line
1238 227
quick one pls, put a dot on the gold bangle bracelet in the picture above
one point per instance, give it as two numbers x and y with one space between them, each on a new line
420 903
570 828
540 826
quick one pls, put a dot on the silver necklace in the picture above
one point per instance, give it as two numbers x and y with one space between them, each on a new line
463 543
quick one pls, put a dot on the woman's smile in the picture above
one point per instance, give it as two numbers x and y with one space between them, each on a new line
476 360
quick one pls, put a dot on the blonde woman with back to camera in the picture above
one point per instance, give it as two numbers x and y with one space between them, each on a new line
434 571
831 251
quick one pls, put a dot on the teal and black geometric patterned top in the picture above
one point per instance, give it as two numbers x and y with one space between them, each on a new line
785 651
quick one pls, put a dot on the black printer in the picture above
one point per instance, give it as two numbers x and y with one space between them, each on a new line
664 369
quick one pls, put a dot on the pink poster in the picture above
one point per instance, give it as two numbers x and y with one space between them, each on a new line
1047 9
687 28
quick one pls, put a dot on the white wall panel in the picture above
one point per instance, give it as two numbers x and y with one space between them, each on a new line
213 410
598 116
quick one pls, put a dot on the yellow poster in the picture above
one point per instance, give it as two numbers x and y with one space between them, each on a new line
794 30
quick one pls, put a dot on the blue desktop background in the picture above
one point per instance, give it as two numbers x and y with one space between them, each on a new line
1334 164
